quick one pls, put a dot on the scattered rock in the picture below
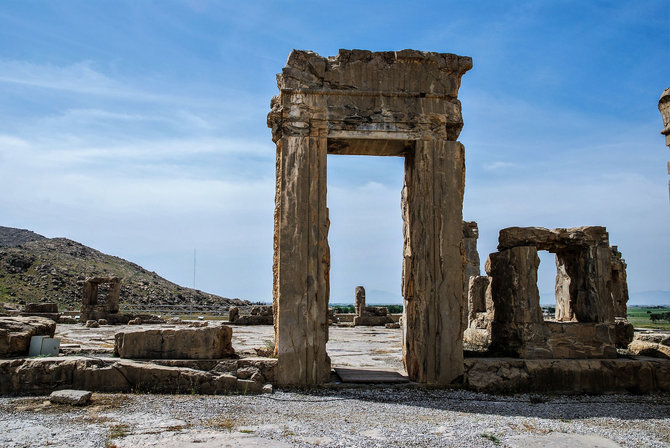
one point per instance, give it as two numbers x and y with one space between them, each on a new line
102 322
653 349
198 324
71 397
92 324
136 321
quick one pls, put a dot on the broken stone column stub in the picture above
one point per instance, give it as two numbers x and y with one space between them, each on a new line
359 102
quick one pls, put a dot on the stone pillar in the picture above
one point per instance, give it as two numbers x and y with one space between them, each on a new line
302 257
360 300
479 296
89 294
619 284
518 326
114 295
433 266
564 311
470 235
584 274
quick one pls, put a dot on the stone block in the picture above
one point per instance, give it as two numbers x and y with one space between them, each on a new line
624 333
189 343
581 340
16 332
71 397
41 308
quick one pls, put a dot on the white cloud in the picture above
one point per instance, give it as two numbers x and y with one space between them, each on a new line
499 166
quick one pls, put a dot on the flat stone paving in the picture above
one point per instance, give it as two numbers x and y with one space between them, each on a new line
362 347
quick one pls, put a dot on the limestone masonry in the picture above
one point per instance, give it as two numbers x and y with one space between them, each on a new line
404 104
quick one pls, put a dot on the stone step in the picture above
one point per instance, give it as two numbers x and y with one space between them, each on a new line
370 376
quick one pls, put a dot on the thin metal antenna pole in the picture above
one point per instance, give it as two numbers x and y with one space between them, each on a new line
194 268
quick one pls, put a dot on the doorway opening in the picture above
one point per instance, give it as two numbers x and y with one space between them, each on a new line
546 284
366 247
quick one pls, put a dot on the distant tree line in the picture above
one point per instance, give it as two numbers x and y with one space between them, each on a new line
660 317
350 309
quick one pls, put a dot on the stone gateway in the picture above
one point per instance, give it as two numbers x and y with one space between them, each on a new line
403 104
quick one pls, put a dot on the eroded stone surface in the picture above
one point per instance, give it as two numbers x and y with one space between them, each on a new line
572 376
71 397
646 348
15 333
400 103
191 343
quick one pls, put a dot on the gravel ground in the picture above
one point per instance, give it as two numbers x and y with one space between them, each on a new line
347 417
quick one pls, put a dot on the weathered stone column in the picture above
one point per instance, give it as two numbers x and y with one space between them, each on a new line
434 261
360 300
583 285
518 326
302 256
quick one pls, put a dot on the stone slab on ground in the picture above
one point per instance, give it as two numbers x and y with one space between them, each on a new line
560 440
71 396
370 376
211 342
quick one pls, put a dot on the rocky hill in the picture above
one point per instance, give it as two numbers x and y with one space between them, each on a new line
35 269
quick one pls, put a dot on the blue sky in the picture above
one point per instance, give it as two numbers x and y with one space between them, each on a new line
138 128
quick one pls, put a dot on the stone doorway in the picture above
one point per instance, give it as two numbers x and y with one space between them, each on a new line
363 103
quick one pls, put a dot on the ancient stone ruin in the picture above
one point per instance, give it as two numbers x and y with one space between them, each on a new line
403 104
259 315
95 306
46 309
369 315
589 283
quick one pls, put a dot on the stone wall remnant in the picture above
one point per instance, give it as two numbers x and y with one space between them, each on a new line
259 315
480 312
590 292
369 315
43 309
392 103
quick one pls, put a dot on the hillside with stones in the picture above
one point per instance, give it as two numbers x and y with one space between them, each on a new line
34 268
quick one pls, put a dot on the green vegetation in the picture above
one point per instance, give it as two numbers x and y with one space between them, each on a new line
657 317
350 309
491 437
